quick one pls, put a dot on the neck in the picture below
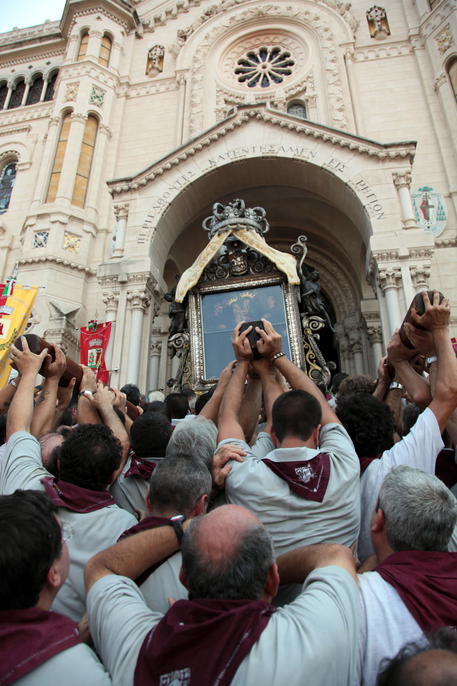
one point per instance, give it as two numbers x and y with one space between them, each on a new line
166 512
292 442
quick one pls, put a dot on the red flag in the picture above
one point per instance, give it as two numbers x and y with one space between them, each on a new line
93 342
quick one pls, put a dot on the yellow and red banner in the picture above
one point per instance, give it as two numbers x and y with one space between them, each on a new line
93 341
16 304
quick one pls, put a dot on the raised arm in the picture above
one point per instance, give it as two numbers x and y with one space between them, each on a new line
229 425
270 386
6 394
211 409
295 565
133 555
400 356
270 347
45 407
87 412
21 408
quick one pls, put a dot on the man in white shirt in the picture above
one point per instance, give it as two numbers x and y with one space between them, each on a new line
305 491
228 631
89 458
413 588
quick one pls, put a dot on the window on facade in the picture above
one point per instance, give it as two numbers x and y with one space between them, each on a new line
7 179
264 67
452 72
35 90
85 162
297 109
3 94
105 50
83 46
51 86
17 95
58 159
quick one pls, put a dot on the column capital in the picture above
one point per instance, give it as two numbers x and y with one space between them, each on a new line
121 211
389 277
420 274
106 130
94 32
439 81
110 300
402 179
78 116
155 348
374 334
138 300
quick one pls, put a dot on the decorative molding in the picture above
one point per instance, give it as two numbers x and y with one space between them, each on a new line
389 278
26 60
446 243
103 128
402 179
40 239
97 96
99 10
71 242
49 28
93 70
440 79
370 52
110 300
121 211
264 113
21 129
420 275
138 300
78 116
159 85
436 18
385 256
315 20
25 113
52 259
10 155
421 253
444 40
374 334
94 32
109 281
71 91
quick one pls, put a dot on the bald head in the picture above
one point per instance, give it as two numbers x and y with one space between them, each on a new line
227 554
431 668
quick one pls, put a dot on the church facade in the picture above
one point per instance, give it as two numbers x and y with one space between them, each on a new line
124 122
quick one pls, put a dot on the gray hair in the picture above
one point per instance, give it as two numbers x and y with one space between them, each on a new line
420 511
197 436
241 576
179 481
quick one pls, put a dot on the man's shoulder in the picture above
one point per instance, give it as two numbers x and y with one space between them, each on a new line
75 666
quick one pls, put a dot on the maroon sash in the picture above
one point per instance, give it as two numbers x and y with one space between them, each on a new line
201 642
147 523
75 498
141 467
427 583
30 637
366 461
306 478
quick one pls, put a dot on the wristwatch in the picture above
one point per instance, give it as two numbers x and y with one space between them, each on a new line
176 522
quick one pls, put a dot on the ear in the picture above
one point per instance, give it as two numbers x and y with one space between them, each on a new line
378 521
182 578
316 433
201 505
274 437
272 581
54 576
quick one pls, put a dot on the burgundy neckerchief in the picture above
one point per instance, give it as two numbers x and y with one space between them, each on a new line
446 467
30 637
427 583
140 466
150 522
366 461
306 478
201 642
75 498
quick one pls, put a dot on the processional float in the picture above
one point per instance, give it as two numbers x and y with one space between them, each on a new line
239 276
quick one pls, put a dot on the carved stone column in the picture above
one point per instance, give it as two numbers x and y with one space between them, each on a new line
138 301
374 333
47 159
444 90
402 182
71 159
121 213
420 275
94 43
155 350
93 192
28 83
389 279
111 302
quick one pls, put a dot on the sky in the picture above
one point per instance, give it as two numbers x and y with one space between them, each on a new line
24 13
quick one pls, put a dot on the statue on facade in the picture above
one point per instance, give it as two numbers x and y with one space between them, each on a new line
177 314
155 59
312 302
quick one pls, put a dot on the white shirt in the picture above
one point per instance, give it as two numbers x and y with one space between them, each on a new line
22 468
164 583
76 666
386 625
291 520
314 635
130 492
419 449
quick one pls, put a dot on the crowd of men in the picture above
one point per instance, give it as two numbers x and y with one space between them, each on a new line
264 532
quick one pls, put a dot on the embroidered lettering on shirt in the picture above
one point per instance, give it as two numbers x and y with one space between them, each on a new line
181 677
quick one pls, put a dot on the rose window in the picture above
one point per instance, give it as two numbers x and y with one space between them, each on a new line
264 67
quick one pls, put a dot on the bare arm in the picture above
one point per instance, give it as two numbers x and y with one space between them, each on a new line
45 408
252 402
271 344
400 356
6 395
21 408
103 400
229 425
87 412
270 386
384 378
133 555
211 409
295 565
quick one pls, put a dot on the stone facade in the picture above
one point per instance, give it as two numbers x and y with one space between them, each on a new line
308 108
